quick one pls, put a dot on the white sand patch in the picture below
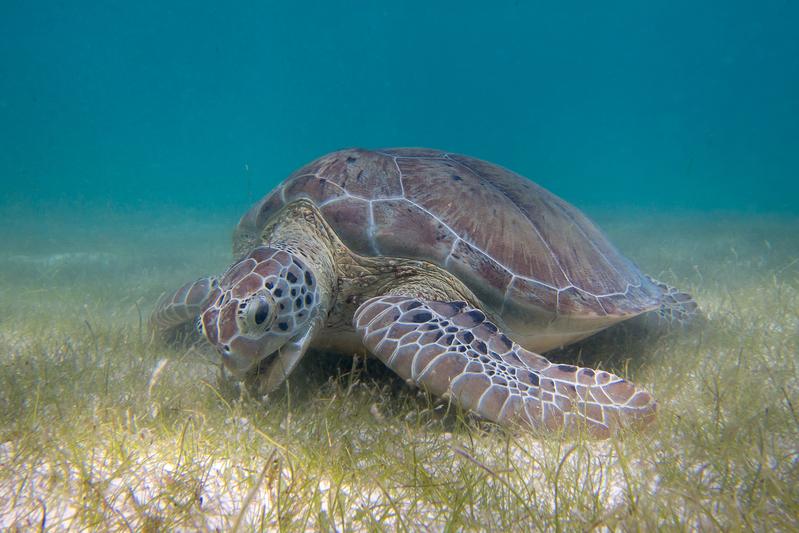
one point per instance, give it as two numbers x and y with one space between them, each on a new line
140 489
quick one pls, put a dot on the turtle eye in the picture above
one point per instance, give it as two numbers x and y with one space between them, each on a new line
258 314
261 312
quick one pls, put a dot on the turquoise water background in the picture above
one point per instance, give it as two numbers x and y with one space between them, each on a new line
672 105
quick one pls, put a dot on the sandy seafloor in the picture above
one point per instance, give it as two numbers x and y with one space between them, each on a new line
67 269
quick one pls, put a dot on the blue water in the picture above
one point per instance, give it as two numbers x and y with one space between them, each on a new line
678 104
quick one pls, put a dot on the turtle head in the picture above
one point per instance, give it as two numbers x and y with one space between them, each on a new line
266 300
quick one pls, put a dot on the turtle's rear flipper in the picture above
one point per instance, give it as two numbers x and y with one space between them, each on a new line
175 314
676 307
450 349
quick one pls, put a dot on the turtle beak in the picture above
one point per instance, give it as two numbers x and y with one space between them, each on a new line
243 353
286 359
234 363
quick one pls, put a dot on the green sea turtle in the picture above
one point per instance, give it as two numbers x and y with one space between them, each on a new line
451 270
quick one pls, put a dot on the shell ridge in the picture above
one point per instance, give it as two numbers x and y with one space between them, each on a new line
521 212
571 218
370 230
399 171
600 252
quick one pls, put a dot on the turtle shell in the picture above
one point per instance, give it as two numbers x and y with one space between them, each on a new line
517 246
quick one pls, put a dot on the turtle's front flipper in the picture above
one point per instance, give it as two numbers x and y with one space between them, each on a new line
451 349
179 309
676 307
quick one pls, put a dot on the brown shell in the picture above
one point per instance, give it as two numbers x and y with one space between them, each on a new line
516 245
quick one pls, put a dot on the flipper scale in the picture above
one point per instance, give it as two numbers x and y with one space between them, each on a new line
182 306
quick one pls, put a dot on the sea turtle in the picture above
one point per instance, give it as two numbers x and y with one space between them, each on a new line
451 270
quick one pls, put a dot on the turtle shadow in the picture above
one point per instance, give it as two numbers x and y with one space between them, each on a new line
325 372
323 368
632 344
